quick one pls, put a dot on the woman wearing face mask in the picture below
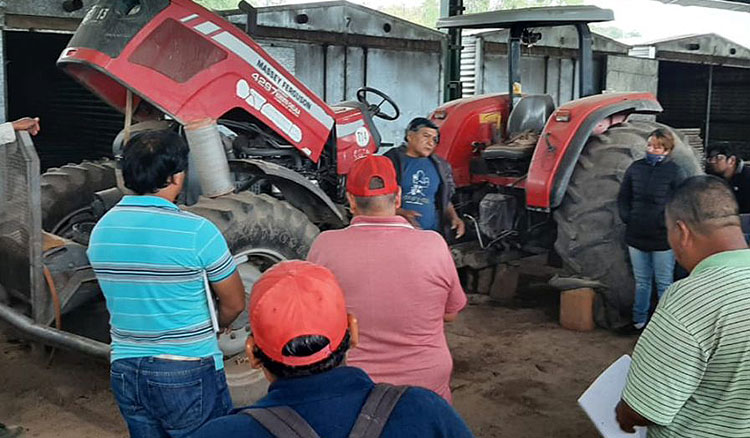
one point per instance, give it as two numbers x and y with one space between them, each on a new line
647 185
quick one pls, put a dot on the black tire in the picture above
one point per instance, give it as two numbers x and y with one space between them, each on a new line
261 228
250 221
590 234
72 187
271 229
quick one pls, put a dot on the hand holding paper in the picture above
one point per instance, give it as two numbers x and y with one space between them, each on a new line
600 400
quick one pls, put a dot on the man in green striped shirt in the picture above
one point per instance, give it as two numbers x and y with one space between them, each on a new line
690 375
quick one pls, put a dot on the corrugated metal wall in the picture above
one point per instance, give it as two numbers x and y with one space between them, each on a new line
334 72
469 66
683 92
555 76
730 108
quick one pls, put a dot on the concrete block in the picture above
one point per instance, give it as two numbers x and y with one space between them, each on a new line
505 284
577 309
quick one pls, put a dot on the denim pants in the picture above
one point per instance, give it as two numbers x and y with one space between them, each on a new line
168 398
647 267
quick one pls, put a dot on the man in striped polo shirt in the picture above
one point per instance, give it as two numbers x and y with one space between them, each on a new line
152 261
690 371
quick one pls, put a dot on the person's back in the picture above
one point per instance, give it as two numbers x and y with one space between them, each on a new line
689 374
153 262
300 339
400 282
708 316
331 402
145 252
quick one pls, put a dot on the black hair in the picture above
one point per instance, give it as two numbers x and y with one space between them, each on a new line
150 158
302 346
721 149
418 123
704 203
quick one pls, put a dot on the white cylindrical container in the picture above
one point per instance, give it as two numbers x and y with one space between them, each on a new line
209 158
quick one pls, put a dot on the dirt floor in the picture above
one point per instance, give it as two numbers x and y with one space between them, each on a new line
517 373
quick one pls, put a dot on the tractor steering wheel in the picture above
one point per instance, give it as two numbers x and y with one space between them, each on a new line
375 109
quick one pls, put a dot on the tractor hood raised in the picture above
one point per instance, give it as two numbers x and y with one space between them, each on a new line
179 59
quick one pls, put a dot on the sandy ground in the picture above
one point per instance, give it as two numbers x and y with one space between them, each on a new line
517 373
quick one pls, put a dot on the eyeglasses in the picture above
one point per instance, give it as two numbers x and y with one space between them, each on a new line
715 158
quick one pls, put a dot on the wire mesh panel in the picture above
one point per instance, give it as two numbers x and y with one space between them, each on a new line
21 227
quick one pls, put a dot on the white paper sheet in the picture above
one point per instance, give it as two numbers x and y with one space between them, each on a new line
601 398
211 305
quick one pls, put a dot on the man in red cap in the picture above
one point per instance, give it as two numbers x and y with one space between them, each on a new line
300 336
400 282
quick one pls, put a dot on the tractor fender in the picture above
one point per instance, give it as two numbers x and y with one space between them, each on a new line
297 190
561 142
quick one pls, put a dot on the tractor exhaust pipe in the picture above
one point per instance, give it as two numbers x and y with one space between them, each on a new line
208 158
52 337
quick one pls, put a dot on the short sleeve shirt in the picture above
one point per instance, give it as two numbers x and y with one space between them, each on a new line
420 181
151 260
690 369
399 282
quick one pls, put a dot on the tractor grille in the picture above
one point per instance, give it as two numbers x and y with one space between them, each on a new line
20 226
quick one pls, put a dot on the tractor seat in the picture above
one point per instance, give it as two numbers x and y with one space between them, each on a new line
517 148
525 124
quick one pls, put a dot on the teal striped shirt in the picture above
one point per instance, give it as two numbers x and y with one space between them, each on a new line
691 367
150 259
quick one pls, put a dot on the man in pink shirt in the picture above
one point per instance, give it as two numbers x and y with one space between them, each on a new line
400 282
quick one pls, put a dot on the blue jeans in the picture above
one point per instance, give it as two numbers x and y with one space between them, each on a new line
168 398
647 267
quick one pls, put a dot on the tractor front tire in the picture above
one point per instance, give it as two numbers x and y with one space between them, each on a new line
590 234
251 222
260 230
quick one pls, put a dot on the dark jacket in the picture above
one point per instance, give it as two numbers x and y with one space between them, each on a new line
447 185
641 201
331 401
740 184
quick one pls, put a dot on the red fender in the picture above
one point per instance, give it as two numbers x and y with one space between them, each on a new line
564 137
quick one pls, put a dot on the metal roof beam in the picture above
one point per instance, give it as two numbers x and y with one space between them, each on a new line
731 5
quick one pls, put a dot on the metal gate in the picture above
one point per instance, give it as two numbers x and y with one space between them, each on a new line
21 228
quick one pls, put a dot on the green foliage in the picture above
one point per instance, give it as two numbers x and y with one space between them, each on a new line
614 32
427 12
220 5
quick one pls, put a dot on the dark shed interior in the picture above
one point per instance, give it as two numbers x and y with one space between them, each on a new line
76 125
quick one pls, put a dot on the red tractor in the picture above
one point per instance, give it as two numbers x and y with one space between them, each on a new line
540 176
269 158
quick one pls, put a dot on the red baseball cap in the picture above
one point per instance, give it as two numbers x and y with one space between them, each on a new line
297 298
365 169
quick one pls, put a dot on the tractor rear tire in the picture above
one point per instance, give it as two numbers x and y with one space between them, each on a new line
590 234
72 187
265 230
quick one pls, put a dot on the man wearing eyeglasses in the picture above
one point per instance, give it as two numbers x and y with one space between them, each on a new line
723 162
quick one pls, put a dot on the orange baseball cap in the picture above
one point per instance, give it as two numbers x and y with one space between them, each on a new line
297 298
365 169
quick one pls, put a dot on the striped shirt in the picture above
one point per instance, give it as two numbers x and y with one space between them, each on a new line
150 259
691 367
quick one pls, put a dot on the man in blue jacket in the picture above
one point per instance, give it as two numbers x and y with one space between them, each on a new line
300 335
